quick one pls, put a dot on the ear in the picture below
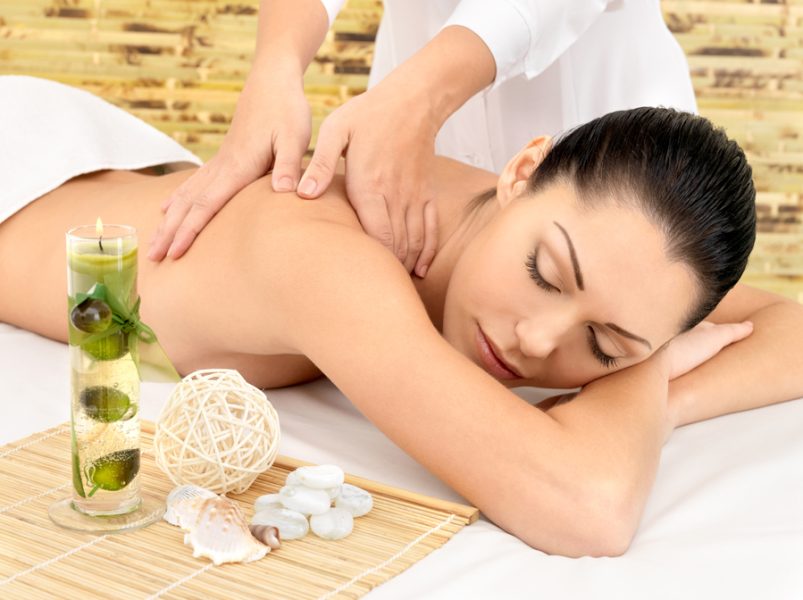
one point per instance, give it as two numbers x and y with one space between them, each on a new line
513 179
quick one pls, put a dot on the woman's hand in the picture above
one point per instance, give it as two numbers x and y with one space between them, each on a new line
682 354
388 138
689 350
271 127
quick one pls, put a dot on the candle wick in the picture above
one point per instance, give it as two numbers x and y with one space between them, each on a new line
100 243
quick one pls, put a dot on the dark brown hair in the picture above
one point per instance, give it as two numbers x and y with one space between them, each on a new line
685 174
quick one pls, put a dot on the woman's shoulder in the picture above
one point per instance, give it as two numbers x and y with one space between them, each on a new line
273 211
299 251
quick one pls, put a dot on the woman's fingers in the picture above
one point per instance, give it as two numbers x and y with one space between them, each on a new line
415 236
191 207
738 331
372 210
701 343
388 173
290 149
430 245
332 141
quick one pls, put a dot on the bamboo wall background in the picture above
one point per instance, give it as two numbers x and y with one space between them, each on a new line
179 64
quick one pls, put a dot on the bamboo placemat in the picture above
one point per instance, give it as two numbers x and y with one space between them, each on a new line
38 559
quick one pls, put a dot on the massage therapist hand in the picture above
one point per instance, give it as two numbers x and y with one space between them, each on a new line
388 137
271 127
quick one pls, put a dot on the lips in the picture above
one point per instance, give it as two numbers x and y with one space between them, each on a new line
491 359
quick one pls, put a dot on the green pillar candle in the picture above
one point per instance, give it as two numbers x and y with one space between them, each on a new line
102 276
104 329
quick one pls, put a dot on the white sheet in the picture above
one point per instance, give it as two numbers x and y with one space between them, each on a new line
53 132
725 518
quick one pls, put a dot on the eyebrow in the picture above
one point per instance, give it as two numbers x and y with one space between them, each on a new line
578 277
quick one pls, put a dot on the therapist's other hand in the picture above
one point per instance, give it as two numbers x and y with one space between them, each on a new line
271 127
388 139
692 348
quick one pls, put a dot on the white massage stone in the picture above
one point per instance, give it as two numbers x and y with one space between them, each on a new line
334 492
292 525
305 500
334 524
320 477
268 501
292 478
355 500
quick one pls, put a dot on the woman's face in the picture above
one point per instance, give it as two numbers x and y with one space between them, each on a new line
562 295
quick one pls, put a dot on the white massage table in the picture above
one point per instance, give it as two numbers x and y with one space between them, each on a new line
724 520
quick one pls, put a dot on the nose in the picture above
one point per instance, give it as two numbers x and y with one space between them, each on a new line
538 337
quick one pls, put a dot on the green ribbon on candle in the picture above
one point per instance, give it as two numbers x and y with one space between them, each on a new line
156 365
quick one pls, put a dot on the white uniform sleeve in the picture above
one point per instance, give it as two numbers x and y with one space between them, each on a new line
332 8
526 36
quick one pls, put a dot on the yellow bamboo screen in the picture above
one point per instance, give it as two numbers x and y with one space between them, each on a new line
179 64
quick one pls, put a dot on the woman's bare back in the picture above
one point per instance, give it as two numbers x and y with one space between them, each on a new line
190 303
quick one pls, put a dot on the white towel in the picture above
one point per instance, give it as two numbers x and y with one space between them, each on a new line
51 132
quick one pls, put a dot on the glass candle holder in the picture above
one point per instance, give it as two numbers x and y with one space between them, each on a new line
103 310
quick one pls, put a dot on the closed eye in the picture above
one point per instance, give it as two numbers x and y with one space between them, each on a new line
535 275
605 360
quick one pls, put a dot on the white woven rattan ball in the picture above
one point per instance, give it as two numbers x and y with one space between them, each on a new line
217 431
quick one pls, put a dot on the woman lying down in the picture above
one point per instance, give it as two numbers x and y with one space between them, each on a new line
606 260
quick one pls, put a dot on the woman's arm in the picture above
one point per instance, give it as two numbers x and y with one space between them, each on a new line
764 368
289 34
565 483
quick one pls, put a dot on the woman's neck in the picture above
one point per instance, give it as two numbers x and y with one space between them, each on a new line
456 185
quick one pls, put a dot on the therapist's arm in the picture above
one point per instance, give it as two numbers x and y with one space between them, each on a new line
527 36
289 33
271 127
763 369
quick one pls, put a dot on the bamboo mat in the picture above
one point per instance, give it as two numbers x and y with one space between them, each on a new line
38 559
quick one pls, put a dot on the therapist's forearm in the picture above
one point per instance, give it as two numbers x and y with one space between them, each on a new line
289 33
450 69
762 369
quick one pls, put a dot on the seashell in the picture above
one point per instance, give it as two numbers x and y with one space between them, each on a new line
268 501
334 524
292 524
267 534
356 500
305 500
220 533
176 497
319 477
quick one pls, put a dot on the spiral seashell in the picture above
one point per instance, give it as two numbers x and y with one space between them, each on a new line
267 534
